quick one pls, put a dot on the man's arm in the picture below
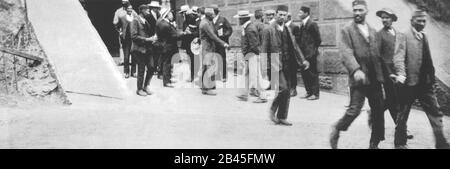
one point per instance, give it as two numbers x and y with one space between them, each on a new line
209 30
347 53
253 38
400 57
134 29
228 30
316 35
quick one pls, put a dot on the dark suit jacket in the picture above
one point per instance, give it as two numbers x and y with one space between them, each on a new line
152 22
361 54
309 39
274 42
250 41
167 36
388 45
139 32
191 22
222 23
413 60
208 37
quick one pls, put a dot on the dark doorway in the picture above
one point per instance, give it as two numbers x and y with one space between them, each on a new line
101 14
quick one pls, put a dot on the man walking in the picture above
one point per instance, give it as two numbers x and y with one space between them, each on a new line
309 42
209 41
155 14
280 43
224 31
360 55
142 35
414 68
250 49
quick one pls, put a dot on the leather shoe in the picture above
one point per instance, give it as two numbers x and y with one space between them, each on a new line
141 93
243 98
409 135
127 75
209 92
259 100
334 138
169 85
374 146
306 96
273 118
312 98
402 147
294 93
285 123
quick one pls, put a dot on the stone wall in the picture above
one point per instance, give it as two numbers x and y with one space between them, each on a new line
330 16
19 77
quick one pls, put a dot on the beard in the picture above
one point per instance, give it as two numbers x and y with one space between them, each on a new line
359 18
419 27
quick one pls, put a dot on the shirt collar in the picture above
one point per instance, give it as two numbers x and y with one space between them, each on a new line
154 14
288 23
280 27
306 20
245 25
216 18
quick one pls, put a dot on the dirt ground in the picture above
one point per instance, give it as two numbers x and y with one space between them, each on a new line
183 118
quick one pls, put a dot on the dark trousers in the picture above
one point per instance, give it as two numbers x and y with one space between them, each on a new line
391 91
429 103
292 76
281 102
192 60
222 52
358 96
126 48
146 70
311 78
208 79
166 65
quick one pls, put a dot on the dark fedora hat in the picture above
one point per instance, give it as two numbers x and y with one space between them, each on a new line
388 11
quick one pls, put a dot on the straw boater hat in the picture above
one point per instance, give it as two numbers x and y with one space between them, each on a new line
243 14
184 8
419 13
154 4
388 11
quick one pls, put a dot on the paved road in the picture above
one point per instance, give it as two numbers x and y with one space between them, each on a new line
183 118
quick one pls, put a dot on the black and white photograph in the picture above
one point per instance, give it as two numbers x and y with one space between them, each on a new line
224 74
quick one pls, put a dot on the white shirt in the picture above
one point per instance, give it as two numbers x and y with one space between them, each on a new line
305 20
419 35
288 23
245 26
154 15
392 31
280 27
215 19
130 18
364 28
142 19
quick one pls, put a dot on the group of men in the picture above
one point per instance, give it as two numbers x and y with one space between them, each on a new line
399 63
151 38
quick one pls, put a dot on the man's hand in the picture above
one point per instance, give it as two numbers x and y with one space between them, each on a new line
306 64
226 46
152 39
359 76
398 79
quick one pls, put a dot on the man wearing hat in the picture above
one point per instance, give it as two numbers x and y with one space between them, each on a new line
250 49
168 36
309 42
361 56
224 31
292 78
209 41
414 69
155 8
279 42
190 25
143 37
389 39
